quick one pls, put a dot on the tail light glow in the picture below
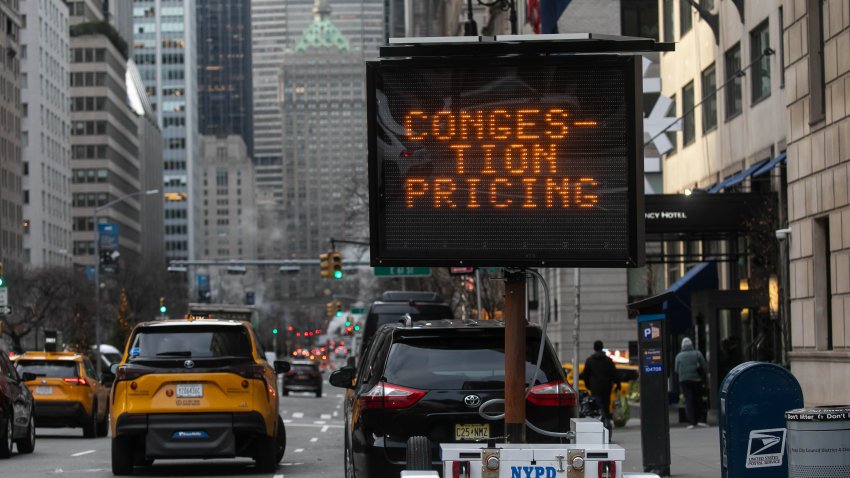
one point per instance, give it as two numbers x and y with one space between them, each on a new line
385 395
552 394
76 381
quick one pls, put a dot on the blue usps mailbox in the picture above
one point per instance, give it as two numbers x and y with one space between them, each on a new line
754 397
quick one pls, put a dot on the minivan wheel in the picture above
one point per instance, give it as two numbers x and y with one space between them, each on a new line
418 453
27 444
90 427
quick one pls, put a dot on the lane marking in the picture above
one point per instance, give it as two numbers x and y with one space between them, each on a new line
83 453
324 428
279 476
325 416
319 422
287 421
314 440
298 450
297 415
336 414
339 395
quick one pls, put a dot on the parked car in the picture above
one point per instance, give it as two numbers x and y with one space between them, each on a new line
67 391
304 376
395 305
17 406
429 379
195 389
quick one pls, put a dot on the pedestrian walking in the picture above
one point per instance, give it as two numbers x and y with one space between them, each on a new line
691 368
600 376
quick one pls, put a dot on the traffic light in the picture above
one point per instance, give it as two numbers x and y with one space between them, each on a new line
162 307
2 277
325 265
274 331
336 264
357 328
338 309
347 323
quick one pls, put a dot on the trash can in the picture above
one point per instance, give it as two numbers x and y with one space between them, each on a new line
819 442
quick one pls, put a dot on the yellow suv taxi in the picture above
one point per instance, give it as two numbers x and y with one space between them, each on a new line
67 391
195 389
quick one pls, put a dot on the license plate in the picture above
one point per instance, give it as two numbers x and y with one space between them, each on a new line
302 376
190 390
472 432
44 390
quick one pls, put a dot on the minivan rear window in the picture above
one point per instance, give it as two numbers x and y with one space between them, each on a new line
49 368
460 363
195 341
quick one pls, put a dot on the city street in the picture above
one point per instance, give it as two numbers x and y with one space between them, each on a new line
313 449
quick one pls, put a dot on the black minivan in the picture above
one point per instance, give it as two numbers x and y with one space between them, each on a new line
429 379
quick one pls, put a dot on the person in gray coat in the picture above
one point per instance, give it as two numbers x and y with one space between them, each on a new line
690 368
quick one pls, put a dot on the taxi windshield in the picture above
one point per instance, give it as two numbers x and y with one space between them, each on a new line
191 341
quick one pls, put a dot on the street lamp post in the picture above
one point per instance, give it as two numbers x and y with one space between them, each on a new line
96 211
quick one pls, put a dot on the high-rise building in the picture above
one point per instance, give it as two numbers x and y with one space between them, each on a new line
45 45
276 26
165 53
106 159
11 216
150 174
817 78
225 99
229 228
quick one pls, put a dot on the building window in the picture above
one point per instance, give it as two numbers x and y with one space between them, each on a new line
760 76
686 20
709 99
814 21
733 88
639 18
221 177
689 126
668 20
674 140
822 267
781 48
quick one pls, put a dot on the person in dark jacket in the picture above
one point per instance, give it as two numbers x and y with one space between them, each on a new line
690 368
600 376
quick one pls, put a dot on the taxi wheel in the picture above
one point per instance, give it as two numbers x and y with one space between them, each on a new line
266 454
418 453
103 425
280 439
90 427
27 444
6 438
122 456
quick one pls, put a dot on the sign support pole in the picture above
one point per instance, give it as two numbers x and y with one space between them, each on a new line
515 303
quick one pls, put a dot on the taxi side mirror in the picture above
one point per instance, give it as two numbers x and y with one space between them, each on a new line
113 369
343 378
281 366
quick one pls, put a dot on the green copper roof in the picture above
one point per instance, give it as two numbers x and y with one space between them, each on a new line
322 34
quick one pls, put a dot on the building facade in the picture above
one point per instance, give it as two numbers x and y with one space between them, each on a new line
229 227
225 98
46 133
276 26
165 52
817 59
11 169
104 135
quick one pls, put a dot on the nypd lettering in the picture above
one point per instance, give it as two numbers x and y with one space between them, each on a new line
533 472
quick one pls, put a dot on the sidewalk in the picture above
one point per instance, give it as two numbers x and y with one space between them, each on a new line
693 453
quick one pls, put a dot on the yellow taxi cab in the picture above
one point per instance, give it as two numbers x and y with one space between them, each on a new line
195 389
627 374
67 391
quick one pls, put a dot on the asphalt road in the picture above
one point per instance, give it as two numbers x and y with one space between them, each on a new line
314 448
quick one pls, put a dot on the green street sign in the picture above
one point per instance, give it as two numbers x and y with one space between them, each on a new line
401 271
358 311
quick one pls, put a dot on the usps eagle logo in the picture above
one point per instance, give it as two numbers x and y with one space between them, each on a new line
766 448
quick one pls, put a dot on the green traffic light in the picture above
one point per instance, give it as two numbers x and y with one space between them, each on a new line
274 330
2 282
347 323
339 313
337 274
162 309
357 328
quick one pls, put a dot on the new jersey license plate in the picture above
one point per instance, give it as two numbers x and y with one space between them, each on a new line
190 390
471 432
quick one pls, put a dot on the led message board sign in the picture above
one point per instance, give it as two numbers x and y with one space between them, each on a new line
506 161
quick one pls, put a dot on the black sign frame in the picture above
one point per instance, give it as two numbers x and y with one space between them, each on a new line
632 256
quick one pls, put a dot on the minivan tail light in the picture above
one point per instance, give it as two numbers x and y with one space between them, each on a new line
76 381
385 395
128 372
552 394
